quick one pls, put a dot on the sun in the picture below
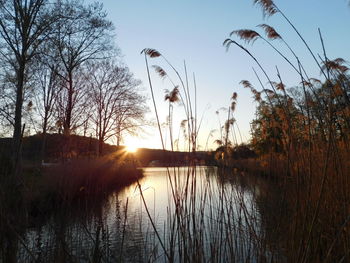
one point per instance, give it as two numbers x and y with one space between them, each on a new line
131 148
132 144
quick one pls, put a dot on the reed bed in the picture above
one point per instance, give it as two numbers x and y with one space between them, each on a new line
301 136
207 221
302 139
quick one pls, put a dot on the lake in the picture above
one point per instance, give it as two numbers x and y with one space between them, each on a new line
180 214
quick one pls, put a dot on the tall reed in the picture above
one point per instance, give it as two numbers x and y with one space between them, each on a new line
207 220
306 130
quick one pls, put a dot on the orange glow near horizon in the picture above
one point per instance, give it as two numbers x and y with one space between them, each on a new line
131 148
131 145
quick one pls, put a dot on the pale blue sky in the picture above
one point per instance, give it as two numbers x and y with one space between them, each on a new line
194 30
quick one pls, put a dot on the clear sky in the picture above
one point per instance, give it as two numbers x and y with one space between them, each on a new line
194 30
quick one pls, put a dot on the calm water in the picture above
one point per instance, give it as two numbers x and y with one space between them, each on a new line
198 213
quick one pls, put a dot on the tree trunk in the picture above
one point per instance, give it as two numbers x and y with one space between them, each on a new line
68 118
100 146
17 133
118 135
43 143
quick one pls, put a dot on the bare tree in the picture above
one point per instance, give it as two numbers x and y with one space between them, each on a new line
7 101
71 103
8 83
130 115
115 99
84 34
47 88
24 26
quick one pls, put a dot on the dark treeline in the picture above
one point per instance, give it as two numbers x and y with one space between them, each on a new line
80 147
86 148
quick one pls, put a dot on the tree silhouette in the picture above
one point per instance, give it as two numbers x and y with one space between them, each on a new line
24 26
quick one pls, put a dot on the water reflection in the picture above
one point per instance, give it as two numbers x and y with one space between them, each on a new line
203 214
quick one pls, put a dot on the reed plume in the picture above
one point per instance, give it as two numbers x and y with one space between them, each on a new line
270 32
152 53
234 96
246 84
278 85
249 36
335 65
173 95
267 6
161 72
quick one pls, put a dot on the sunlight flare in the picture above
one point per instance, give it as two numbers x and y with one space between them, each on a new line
131 148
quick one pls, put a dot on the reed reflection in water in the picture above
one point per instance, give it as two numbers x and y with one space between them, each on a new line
202 214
